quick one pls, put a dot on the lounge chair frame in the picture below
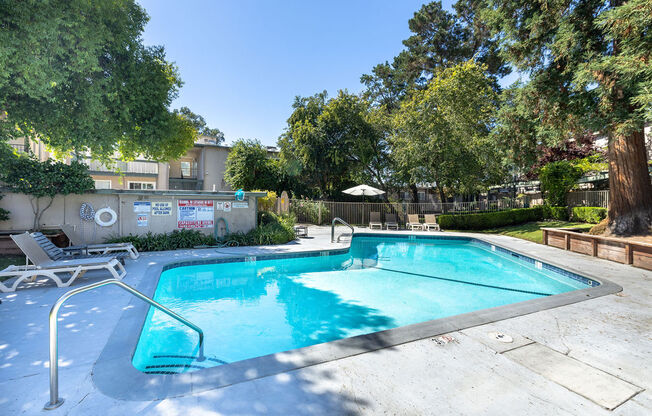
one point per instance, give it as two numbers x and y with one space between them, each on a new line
106 248
45 266
390 222
412 225
430 223
374 221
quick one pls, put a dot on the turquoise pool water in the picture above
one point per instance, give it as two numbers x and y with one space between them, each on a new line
254 308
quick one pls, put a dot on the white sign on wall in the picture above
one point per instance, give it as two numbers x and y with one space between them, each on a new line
241 204
219 206
143 220
141 206
227 206
161 208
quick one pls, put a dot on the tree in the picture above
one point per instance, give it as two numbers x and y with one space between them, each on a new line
589 68
200 125
439 39
248 167
442 132
334 143
76 76
43 180
557 179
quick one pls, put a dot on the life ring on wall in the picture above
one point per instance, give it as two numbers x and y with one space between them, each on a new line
110 222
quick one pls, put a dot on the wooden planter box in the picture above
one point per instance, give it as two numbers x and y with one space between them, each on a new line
615 249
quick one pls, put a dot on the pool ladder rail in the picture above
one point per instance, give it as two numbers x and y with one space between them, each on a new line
341 221
55 400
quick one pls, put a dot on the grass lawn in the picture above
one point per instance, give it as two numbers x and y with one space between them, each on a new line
532 230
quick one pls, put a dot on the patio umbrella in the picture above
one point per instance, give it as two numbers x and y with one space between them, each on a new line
364 190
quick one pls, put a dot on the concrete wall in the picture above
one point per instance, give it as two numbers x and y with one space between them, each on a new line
65 209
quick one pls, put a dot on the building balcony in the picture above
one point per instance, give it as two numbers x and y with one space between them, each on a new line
140 167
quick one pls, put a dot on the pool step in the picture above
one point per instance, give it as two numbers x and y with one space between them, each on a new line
344 237
175 364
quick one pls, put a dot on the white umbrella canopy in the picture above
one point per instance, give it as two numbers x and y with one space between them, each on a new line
364 190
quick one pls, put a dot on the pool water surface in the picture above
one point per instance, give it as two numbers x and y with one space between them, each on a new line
253 308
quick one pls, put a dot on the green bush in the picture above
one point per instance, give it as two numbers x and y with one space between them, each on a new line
555 213
592 215
308 210
489 220
557 179
274 230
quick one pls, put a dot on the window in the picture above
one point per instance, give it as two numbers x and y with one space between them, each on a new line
102 184
422 196
185 169
142 186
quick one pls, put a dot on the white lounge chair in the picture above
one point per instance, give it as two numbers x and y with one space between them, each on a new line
414 223
390 221
78 243
44 266
431 222
374 220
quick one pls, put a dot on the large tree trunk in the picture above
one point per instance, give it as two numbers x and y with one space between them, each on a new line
630 191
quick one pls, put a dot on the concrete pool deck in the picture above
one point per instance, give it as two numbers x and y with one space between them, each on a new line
582 358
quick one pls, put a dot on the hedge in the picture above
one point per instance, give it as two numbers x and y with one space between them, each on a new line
591 215
555 213
489 220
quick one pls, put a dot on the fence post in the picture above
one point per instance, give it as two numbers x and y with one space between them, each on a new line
318 213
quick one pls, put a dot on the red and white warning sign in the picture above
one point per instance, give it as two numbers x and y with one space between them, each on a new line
195 213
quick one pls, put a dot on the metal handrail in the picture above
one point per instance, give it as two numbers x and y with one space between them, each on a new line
340 220
55 400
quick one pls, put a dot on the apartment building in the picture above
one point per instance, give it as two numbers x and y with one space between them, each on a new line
200 169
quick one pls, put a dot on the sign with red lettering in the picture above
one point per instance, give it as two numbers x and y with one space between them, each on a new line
195 213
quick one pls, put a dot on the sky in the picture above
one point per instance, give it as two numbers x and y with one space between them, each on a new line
244 61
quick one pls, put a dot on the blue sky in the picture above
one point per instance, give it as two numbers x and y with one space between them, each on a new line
244 61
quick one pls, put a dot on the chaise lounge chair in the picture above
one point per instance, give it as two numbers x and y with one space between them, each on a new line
78 244
58 253
413 223
390 221
374 220
44 266
431 222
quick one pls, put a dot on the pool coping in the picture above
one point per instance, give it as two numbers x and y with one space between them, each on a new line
115 376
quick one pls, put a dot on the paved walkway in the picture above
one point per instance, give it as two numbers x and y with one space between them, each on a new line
580 359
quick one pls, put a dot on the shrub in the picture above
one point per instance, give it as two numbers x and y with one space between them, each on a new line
557 179
277 230
555 213
308 210
489 220
267 203
591 215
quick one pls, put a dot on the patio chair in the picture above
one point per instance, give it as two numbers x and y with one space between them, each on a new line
45 266
106 248
390 221
431 222
413 222
58 253
374 220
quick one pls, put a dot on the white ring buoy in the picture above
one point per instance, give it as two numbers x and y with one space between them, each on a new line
100 222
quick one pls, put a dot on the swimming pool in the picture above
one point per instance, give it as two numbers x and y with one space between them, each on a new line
266 305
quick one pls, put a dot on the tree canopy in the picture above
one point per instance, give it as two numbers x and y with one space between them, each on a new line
442 132
77 76
332 143
199 123
589 67
249 167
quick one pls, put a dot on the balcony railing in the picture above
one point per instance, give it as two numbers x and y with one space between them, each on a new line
185 174
138 166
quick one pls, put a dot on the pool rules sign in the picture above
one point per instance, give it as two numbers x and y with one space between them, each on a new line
195 213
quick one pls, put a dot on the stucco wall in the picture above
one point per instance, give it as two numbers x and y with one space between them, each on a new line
214 167
65 209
